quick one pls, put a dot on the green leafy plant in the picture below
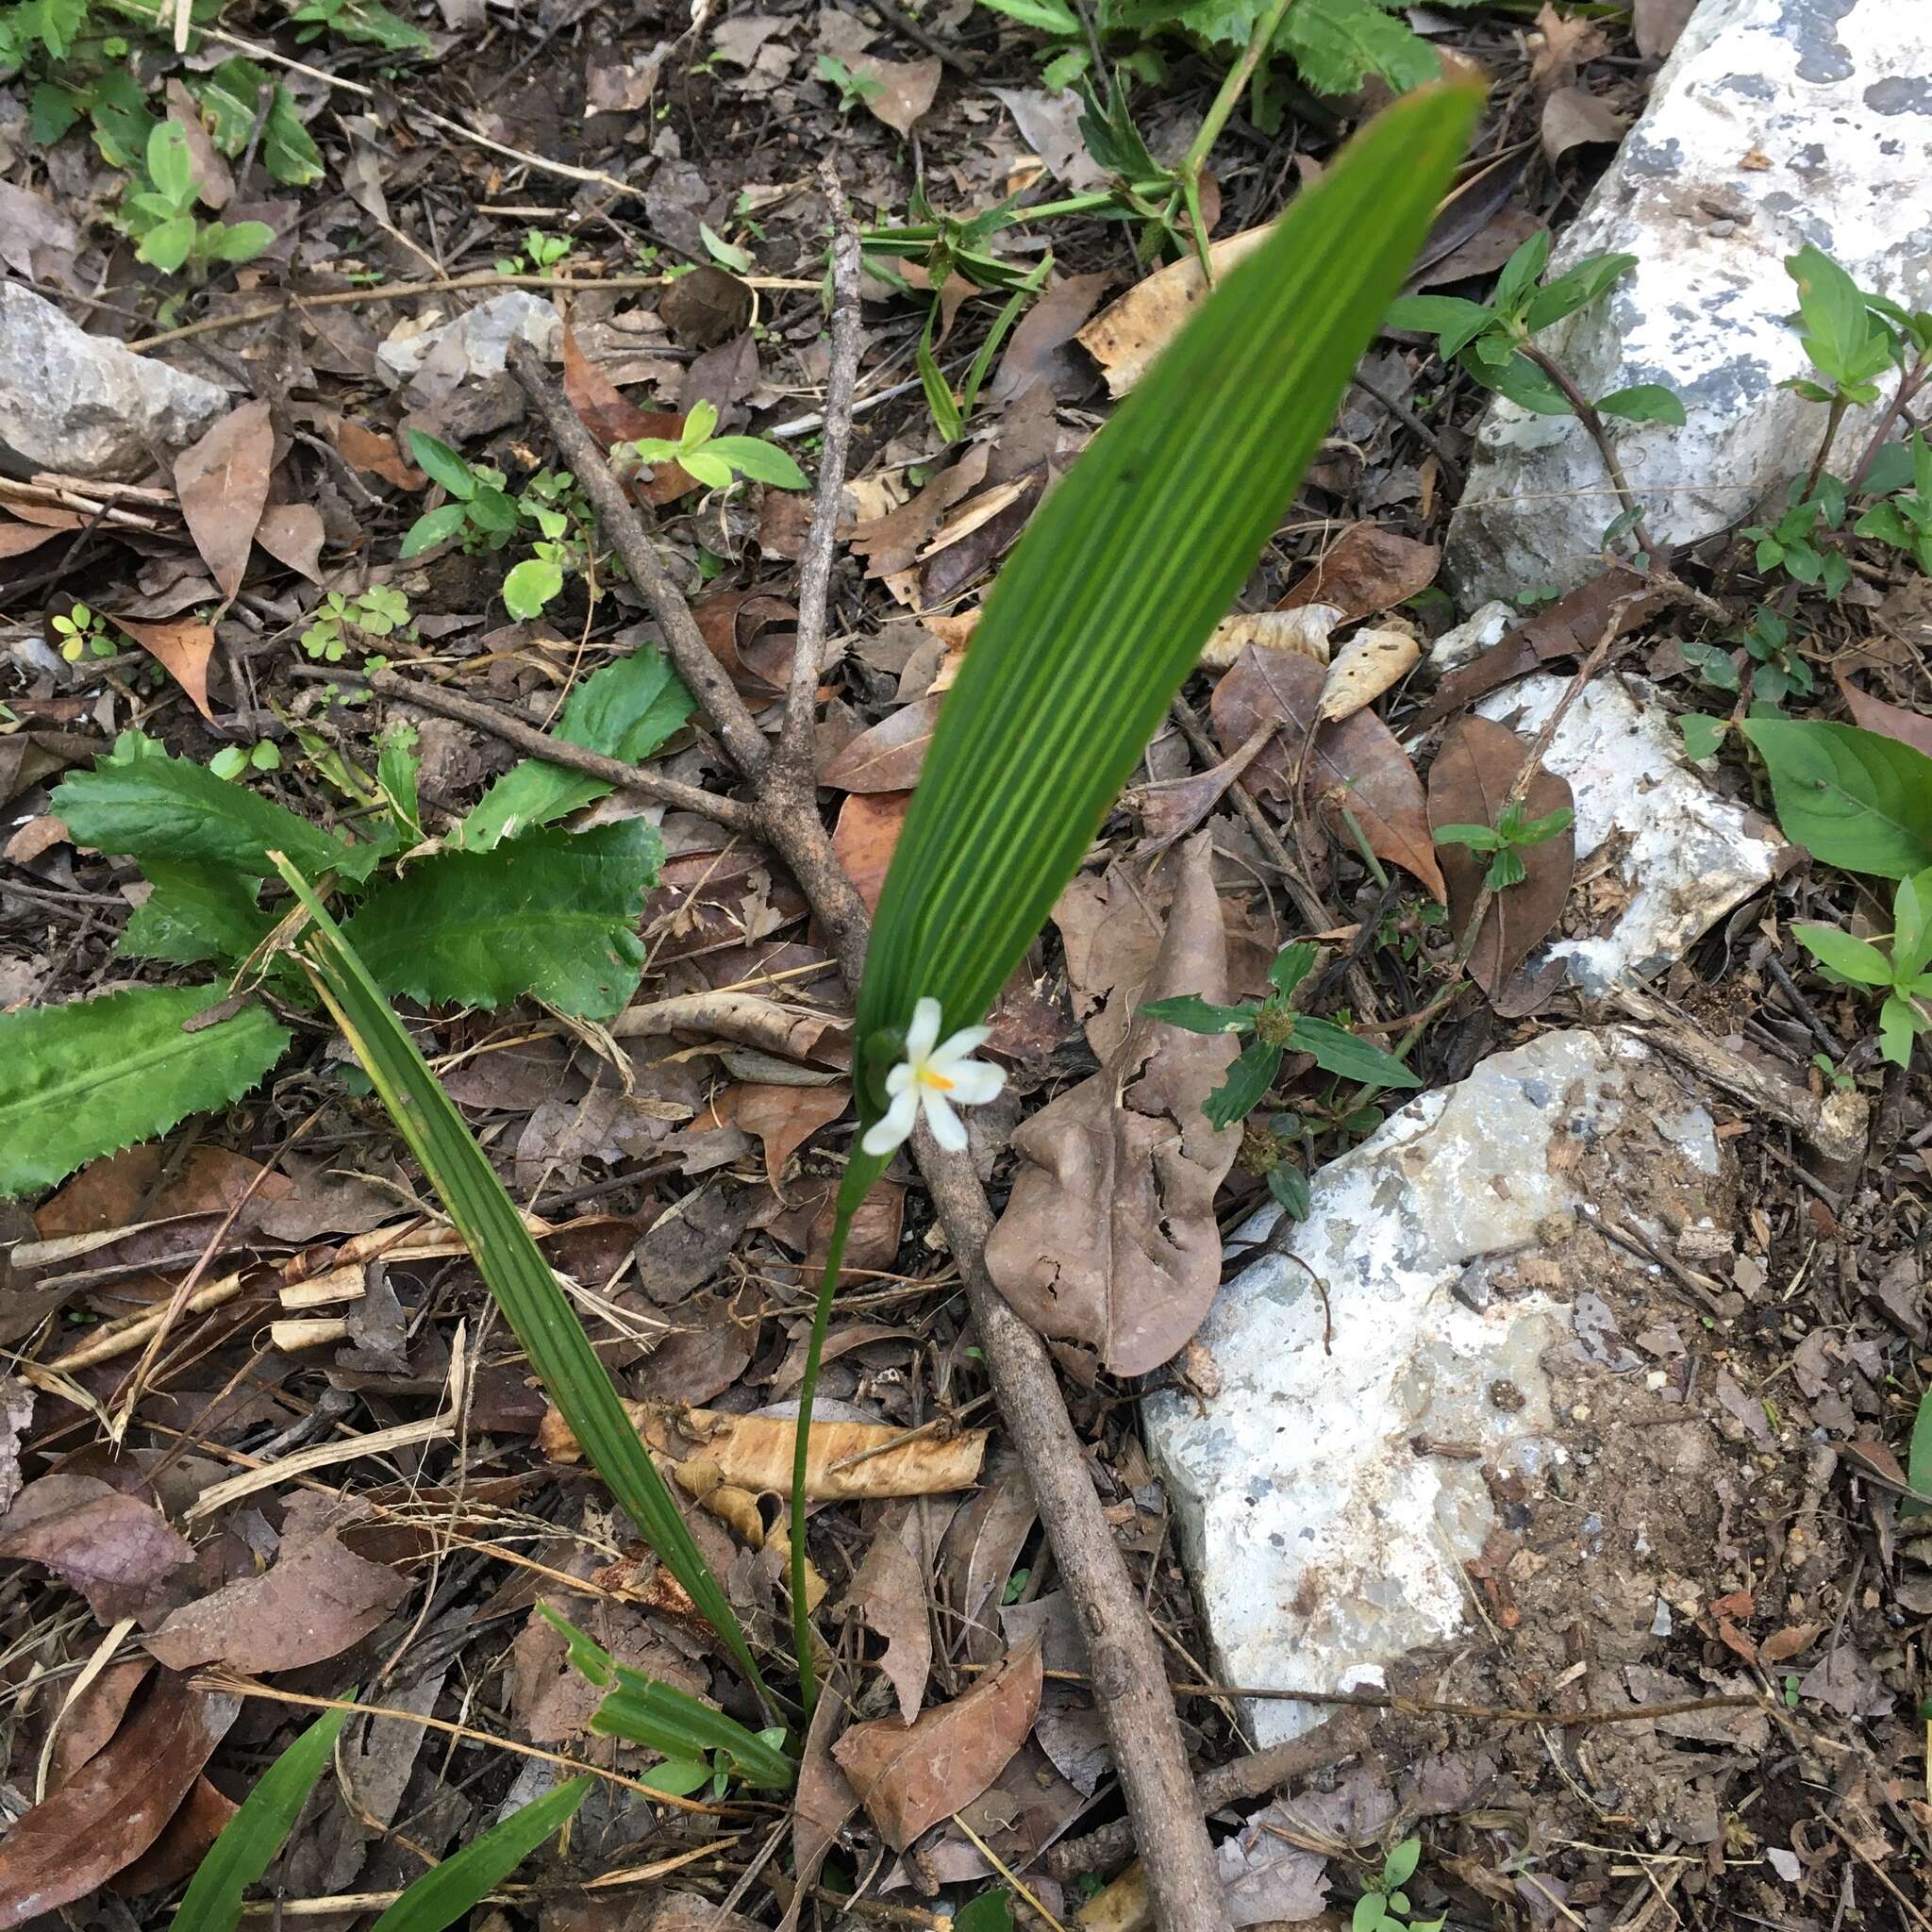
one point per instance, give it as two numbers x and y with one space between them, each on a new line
234 760
339 621
1857 799
84 631
1779 669
855 90
1846 342
366 23
1385 1907
1904 520
1508 839
1793 544
1897 972
540 254
1097 617
1272 1027
480 512
162 216
716 461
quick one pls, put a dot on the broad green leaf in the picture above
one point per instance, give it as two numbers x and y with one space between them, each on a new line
1912 919
195 912
1849 958
438 526
448 1891
1891 468
1899 1026
512 1266
528 586
713 471
1835 322
1338 1051
491 510
676 1779
1478 838
241 241
552 914
762 461
626 710
1398 1868
1454 322
1049 16
82 1080
1249 1077
1644 402
258 1831
1576 288
1523 383
1293 965
169 165
164 811
1703 734
374 25
1102 607
1194 1014
442 464
992 1911
1854 798
168 244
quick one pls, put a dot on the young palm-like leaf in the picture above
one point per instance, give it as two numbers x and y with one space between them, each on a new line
509 1261
1103 609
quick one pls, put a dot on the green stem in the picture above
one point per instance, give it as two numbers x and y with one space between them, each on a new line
861 1171
1231 89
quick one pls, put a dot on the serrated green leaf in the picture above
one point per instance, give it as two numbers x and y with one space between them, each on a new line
250 1840
552 914
1338 43
447 1892
1338 1051
1854 798
195 912
1644 402
86 1079
1851 958
164 811
1104 606
1049 16
626 710
511 1265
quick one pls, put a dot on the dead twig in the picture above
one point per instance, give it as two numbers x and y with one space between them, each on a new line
1129 1680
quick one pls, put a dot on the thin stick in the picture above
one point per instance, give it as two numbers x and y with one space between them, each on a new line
1655 557
1129 1680
732 813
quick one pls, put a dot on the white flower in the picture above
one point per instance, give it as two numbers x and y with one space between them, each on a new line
933 1075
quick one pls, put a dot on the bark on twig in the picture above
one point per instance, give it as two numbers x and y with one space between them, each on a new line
1129 1676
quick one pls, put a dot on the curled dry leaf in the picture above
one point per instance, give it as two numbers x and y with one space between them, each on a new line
1467 784
1172 811
979 1549
888 756
182 649
910 1777
1367 570
783 1117
222 483
1109 1238
111 1547
1303 631
754 1452
890 1593
1356 762
373 452
1365 667
115 1807
1127 334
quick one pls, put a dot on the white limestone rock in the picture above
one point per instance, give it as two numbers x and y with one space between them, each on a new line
476 343
1775 123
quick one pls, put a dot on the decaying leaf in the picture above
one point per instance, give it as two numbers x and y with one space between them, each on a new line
16 1411
754 1452
1172 811
1109 1238
111 1547
1468 783
1575 118
868 829
979 1549
1356 762
1127 334
906 88
783 1117
222 485
1889 720
1365 667
611 417
890 1593
182 649
886 757
373 452
1303 630
1367 570
114 1807
910 1777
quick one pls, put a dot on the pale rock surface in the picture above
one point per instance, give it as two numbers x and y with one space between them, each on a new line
1775 123
476 343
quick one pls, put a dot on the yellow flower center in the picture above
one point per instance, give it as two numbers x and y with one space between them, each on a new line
928 1077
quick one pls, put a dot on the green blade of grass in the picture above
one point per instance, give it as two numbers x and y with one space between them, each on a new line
510 1262
1103 609
258 1831
447 1891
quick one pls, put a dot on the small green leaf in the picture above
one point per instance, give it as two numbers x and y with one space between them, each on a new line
1521 270
168 245
441 463
241 241
1506 870
713 471
169 165
1911 920
1848 957
1049 16
1523 383
1398 1868
1703 734
1854 798
448 1891
1644 402
1248 1082
1289 1187
1478 838
1898 1026
678 1780
1574 288
1835 322
727 254
491 510
439 526
250 1840
1194 1014
530 584
1338 1051
1919 1474
1454 322
764 463
992 1911
1293 965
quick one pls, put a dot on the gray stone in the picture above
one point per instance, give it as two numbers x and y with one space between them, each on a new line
82 405
472 344
1322 1545
1775 123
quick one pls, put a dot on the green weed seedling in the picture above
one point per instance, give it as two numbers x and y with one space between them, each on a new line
83 632
1778 667
162 216
235 761
339 621
1897 972
1904 520
716 461
540 254
1385 1907
1508 839
855 90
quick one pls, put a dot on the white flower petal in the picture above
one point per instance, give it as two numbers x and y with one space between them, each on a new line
887 1133
948 1129
958 1046
922 1035
900 1079
975 1083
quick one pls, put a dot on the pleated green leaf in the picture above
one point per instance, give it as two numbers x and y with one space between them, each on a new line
447 1891
258 1831
1104 607
512 1266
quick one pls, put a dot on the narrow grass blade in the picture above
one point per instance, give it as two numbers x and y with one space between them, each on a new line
510 1262
444 1893
1102 610
257 1832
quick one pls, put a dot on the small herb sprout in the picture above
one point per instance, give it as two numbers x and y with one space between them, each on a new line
540 254
83 632
1904 520
716 461
1792 544
379 611
162 216
1506 838
233 760
1272 1027
855 90
1847 344
1384 1908
1899 973
1779 668
480 512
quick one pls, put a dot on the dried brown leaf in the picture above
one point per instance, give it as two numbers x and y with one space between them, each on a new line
1657 24
1889 720
223 487
611 417
1127 334
906 89
1172 811
1303 630
1572 118
863 840
1367 570
979 1549
111 1547
292 533
183 1844
374 453
1468 783
909 1777
887 758
1356 763
890 1593
1109 1238
1034 350
1365 667
182 648
784 1118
